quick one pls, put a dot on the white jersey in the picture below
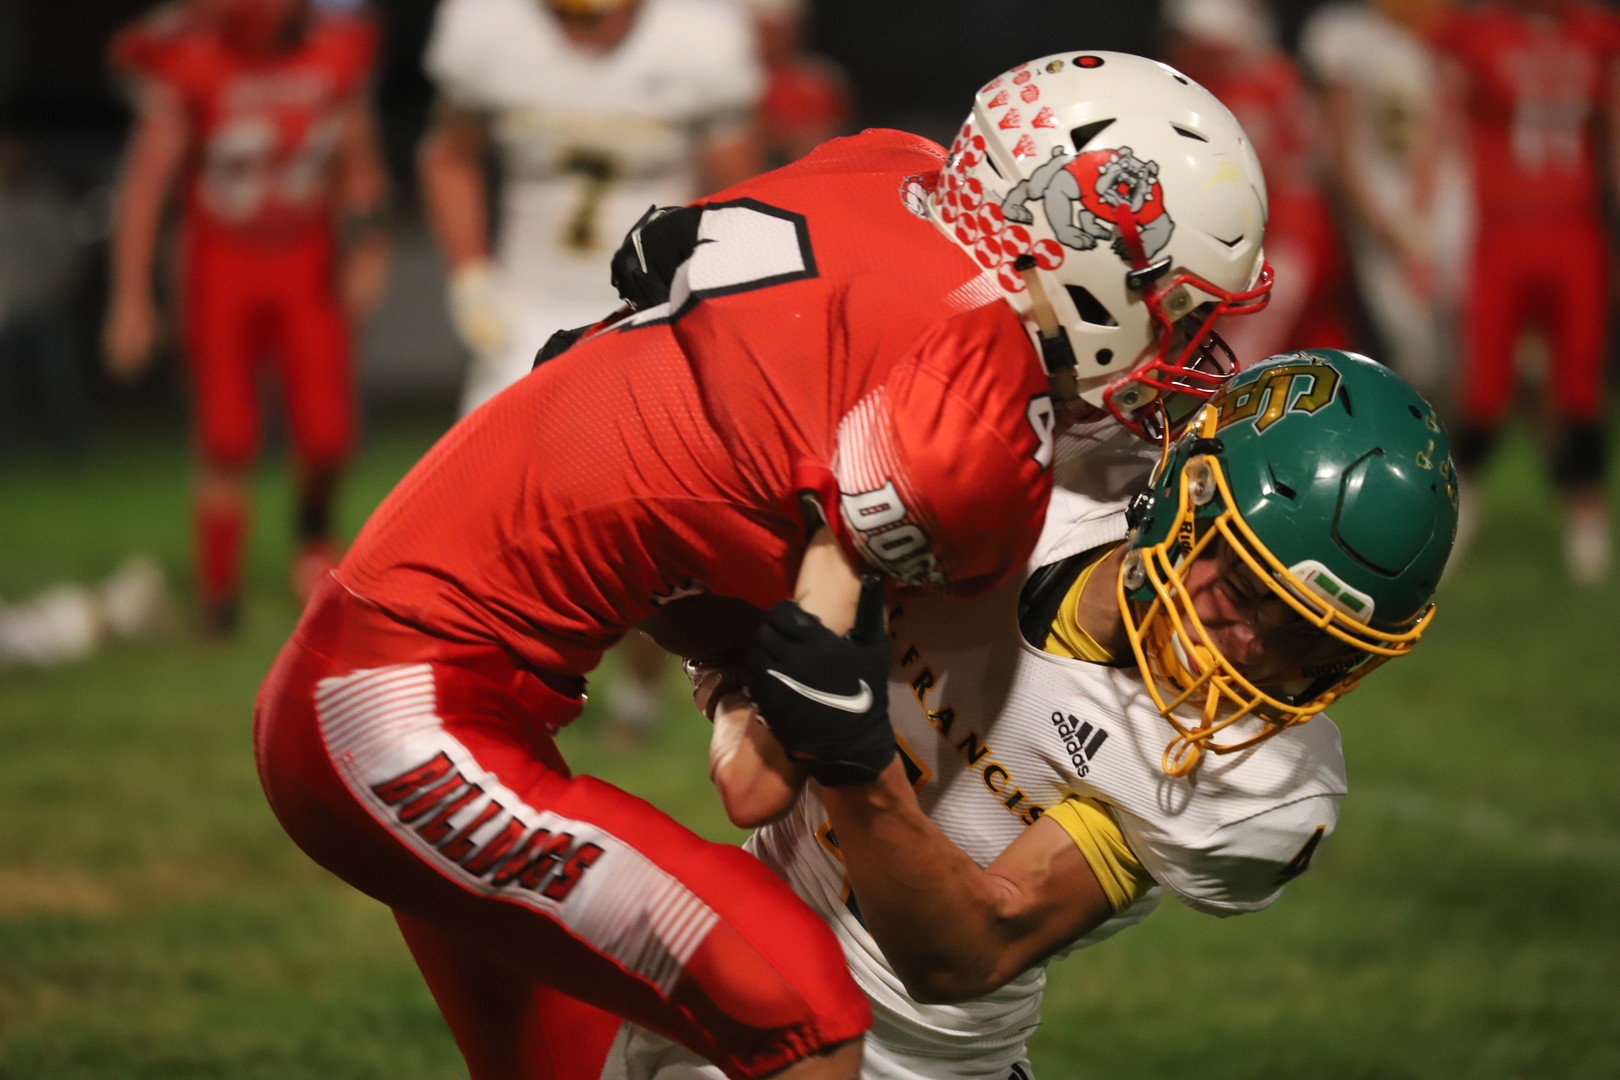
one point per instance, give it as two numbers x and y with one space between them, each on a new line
588 141
994 731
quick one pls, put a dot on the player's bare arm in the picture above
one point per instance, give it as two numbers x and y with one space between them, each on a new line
450 164
362 209
156 148
756 779
952 930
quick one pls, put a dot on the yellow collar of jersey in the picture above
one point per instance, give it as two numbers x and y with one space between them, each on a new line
1068 638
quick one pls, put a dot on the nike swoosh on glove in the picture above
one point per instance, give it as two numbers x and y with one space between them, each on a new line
825 696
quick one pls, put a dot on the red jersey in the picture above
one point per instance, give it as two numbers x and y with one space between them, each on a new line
1534 87
822 338
265 127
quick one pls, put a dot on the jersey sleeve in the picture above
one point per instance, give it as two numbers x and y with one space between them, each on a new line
1243 865
1097 834
943 472
360 44
145 51
455 51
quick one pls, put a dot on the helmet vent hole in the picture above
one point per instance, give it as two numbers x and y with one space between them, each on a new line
1189 133
1285 491
1413 409
990 161
1105 357
1085 133
1180 78
1090 308
1344 399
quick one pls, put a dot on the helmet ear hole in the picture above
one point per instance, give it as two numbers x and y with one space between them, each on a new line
1090 309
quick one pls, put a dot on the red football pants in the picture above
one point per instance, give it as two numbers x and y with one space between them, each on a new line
1551 276
245 303
540 906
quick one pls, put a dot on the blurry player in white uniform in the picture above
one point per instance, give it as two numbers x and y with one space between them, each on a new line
1126 721
1379 89
596 109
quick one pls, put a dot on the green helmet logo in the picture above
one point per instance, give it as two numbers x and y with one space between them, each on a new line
1331 479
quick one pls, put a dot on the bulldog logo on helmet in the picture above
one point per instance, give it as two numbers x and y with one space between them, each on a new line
1081 196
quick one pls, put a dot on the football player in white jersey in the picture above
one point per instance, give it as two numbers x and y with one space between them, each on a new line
597 109
1379 87
1126 721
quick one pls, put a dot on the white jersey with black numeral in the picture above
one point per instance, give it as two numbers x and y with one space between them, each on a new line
589 141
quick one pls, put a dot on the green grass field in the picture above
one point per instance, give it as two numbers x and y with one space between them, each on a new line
154 922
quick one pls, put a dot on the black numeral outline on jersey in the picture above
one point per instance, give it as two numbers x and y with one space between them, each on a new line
807 269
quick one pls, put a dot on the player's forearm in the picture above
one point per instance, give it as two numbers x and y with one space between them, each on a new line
756 781
1336 111
364 182
948 928
149 171
452 179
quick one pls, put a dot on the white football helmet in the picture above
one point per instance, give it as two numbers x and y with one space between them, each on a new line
1120 208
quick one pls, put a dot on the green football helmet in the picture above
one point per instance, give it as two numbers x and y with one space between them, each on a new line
1331 480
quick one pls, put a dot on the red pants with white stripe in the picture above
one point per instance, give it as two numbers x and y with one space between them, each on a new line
540 906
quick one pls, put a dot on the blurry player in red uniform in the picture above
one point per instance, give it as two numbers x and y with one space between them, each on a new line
853 365
1228 45
256 110
1531 81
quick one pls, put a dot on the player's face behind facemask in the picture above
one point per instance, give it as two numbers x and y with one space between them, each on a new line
1289 545
594 25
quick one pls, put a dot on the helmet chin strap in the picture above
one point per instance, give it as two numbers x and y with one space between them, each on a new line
1057 354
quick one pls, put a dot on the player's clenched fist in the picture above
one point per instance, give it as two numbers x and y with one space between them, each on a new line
825 695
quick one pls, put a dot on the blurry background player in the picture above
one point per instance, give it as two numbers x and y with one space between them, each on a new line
807 96
1230 47
597 109
1377 85
257 111
1531 83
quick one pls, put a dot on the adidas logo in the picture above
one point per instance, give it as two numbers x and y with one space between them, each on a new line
1081 739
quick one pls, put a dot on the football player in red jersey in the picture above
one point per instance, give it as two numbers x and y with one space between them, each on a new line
1531 82
256 111
852 371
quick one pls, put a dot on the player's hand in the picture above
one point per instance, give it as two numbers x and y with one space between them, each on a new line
129 336
824 695
475 308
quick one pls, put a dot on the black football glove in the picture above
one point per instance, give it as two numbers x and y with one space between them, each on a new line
643 268
825 696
